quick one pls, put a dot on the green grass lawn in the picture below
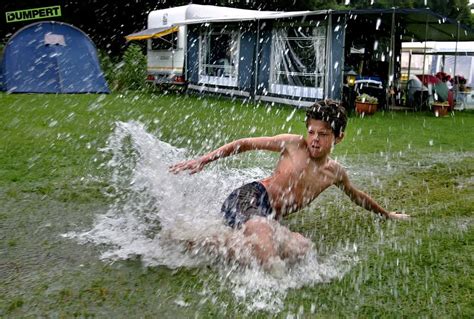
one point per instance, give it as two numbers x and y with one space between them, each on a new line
52 182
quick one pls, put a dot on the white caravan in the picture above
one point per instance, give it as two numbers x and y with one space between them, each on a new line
167 38
166 46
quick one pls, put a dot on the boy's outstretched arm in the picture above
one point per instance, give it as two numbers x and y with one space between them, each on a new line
364 200
274 143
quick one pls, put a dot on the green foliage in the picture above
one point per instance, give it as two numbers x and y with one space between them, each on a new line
108 66
458 9
455 9
131 71
324 5
365 98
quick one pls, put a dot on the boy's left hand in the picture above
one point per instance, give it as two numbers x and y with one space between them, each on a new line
398 216
193 166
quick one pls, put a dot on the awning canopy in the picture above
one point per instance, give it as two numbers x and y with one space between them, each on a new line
151 33
417 24
426 25
421 24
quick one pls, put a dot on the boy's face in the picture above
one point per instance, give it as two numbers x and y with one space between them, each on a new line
320 138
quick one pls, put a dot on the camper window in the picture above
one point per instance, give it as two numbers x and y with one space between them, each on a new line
298 59
219 56
167 42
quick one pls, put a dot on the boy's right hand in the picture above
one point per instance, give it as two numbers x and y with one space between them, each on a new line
398 216
193 166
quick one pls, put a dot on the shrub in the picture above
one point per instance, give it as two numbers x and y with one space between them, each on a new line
130 73
108 67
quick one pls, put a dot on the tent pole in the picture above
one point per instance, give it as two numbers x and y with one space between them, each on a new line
185 50
343 59
256 61
408 76
409 64
424 61
456 80
328 57
391 76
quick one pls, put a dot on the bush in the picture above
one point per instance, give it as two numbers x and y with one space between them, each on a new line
108 67
130 73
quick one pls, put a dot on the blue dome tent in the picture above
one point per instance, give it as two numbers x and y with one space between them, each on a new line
51 57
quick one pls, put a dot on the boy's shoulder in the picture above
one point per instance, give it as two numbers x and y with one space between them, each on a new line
290 136
291 139
334 163
337 168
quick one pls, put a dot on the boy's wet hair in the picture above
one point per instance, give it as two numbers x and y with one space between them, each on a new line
331 112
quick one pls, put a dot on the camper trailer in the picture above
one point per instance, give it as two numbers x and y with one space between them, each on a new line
167 37
166 53
285 57
166 45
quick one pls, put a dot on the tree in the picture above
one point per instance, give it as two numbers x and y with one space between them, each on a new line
455 9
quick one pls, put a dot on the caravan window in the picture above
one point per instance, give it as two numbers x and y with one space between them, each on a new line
298 61
167 42
219 53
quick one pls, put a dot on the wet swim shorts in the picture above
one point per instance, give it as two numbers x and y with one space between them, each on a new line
244 202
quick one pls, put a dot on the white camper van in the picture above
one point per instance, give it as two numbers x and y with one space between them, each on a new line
166 45
166 53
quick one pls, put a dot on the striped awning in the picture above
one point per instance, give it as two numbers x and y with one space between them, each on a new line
151 33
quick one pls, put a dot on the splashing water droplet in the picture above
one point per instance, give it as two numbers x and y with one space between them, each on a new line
289 117
376 45
377 24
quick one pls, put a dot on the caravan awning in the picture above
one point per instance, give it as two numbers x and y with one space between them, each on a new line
151 33
421 24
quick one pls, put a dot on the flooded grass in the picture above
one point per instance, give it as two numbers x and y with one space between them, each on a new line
53 181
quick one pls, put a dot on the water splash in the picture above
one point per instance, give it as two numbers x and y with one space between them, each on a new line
175 221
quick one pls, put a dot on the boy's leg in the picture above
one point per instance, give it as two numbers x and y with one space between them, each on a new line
260 233
271 242
294 246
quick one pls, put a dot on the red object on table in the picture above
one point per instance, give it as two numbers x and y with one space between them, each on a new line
428 79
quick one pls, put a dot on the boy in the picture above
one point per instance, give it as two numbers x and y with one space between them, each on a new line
303 171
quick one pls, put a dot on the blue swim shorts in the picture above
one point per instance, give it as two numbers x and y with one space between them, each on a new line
244 202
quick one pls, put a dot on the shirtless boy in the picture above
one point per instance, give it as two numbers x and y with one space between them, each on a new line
303 171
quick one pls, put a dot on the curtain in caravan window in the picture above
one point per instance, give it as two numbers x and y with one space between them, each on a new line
299 57
219 57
